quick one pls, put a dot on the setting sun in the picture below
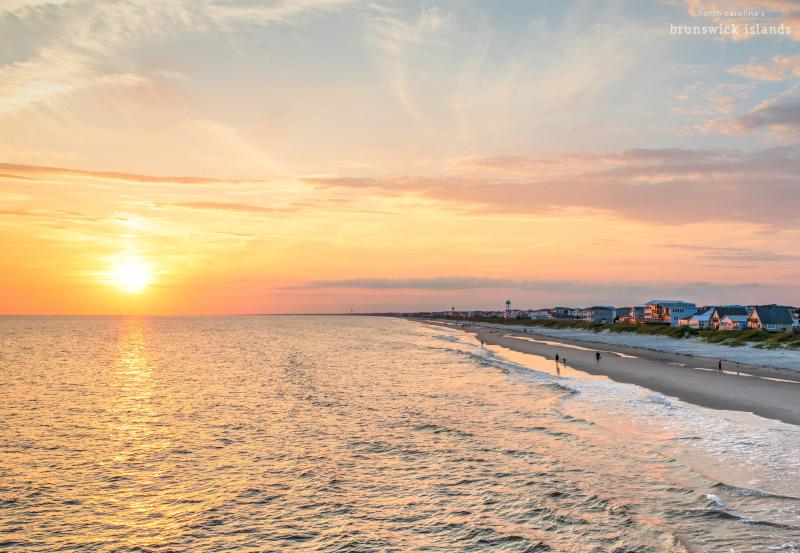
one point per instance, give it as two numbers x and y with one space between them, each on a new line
132 276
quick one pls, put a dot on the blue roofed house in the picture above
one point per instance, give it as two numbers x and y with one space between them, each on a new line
734 311
699 320
733 322
772 318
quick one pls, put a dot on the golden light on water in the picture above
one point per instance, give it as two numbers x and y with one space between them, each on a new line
131 275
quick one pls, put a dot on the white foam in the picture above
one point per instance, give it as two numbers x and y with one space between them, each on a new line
739 448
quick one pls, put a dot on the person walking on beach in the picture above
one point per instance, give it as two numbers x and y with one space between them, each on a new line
556 359
719 365
597 356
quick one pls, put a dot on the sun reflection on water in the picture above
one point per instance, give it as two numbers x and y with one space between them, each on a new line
141 439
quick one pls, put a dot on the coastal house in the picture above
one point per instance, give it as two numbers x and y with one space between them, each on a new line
699 320
565 313
598 314
518 314
727 310
772 318
621 313
667 311
540 314
630 315
733 322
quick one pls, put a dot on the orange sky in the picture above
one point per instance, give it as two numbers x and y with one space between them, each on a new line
326 156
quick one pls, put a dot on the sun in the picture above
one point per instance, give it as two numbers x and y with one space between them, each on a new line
132 275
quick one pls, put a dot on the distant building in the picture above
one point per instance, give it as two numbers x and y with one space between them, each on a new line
540 314
630 315
772 318
733 322
699 320
565 313
621 313
723 311
598 314
668 311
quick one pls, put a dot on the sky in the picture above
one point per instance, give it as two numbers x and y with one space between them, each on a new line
294 156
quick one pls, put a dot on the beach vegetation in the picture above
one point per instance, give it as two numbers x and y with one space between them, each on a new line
753 337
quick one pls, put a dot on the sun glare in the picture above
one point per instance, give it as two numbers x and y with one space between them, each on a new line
132 276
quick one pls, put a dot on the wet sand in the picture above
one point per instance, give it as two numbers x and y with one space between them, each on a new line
764 391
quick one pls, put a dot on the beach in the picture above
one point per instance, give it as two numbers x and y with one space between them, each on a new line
765 391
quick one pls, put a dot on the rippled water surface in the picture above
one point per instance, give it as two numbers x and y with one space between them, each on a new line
357 434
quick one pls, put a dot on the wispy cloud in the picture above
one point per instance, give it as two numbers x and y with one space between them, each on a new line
221 206
644 185
16 171
780 116
780 68
396 37
51 215
726 253
538 293
280 11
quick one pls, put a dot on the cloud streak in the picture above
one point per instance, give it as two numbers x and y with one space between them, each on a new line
781 68
761 187
536 293
221 206
16 171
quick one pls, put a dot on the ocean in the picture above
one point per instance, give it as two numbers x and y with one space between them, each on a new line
361 434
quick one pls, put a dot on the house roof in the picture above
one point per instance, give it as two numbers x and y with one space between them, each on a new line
726 310
773 314
704 316
736 318
668 303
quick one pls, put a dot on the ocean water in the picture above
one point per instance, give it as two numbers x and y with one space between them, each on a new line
358 434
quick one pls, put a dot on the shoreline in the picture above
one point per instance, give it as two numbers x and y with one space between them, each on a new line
764 391
783 360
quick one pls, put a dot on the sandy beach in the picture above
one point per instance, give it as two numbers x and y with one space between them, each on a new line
765 391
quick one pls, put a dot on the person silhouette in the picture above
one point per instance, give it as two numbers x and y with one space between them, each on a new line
597 356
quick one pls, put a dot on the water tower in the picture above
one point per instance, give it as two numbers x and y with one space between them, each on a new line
508 306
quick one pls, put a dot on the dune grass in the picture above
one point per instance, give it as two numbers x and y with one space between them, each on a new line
755 337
